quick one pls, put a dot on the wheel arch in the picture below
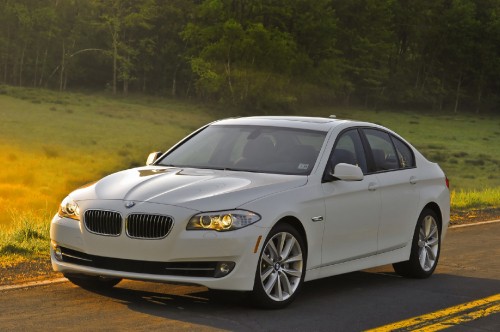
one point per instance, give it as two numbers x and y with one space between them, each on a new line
266 297
295 223
437 210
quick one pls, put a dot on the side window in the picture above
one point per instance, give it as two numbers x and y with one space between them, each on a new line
405 154
349 150
383 152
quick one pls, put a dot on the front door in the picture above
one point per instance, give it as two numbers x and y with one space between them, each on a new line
352 207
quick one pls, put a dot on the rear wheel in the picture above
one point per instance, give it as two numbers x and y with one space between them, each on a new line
425 250
92 282
281 268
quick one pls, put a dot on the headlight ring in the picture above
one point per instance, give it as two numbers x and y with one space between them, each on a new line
222 221
69 209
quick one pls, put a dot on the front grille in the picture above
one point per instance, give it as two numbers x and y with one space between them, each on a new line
103 222
148 226
191 269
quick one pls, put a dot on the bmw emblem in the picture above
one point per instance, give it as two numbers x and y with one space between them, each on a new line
128 205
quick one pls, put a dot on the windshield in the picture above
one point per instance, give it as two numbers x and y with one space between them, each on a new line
250 148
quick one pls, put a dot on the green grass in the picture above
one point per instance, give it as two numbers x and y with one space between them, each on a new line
27 238
52 143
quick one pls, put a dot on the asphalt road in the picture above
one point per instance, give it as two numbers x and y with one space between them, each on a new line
469 270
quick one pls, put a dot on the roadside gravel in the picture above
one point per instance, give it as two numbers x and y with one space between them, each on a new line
31 270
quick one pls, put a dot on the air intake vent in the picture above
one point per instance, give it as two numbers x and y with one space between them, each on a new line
103 222
148 226
188 269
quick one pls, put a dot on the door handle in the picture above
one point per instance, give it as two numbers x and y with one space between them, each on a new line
413 180
372 186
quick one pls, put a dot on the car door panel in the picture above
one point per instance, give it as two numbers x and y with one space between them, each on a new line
352 207
352 220
398 214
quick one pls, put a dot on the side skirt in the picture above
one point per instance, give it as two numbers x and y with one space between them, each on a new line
388 257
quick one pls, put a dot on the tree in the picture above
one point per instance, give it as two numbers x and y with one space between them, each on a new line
249 52
261 54
366 42
123 19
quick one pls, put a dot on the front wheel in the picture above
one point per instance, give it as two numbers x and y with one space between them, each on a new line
92 282
425 250
281 268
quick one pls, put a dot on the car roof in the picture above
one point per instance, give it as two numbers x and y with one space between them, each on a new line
302 122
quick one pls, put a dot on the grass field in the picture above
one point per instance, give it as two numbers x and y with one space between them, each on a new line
52 143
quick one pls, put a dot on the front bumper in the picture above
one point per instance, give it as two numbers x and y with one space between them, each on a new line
153 260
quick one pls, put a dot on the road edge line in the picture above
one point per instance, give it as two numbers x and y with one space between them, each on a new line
33 284
475 224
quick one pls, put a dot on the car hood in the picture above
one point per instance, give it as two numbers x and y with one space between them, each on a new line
198 189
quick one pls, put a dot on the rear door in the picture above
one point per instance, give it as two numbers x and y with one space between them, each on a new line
393 163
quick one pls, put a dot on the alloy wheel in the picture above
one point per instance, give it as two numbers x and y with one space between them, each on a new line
281 266
428 243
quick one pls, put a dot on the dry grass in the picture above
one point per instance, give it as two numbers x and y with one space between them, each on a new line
46 152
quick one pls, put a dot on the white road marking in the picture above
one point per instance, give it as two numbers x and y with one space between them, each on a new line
33 284
475 224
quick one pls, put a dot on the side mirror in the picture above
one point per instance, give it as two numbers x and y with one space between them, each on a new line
345 172
348 172
153 156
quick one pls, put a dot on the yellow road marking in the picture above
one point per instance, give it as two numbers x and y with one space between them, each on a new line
462 319
448 317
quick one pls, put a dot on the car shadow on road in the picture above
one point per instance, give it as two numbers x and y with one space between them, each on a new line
359 300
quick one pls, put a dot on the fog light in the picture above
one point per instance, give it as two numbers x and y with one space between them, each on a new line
223 269
58 253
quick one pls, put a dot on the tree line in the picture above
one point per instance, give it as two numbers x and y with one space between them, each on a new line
261 54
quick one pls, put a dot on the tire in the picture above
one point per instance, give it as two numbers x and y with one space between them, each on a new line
281 268
92 282
425 248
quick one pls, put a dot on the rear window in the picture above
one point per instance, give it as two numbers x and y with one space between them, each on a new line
405 154
388 151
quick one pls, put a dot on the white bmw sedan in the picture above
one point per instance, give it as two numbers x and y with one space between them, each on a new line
259 204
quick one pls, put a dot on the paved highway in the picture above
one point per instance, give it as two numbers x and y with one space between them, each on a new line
462 295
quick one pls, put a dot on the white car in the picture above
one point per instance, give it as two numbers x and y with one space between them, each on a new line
259 204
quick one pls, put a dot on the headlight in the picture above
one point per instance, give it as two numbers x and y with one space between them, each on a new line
222 221
69 209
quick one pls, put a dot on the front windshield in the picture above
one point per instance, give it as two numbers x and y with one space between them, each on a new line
250 148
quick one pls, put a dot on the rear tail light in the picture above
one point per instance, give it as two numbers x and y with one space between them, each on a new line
447 182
